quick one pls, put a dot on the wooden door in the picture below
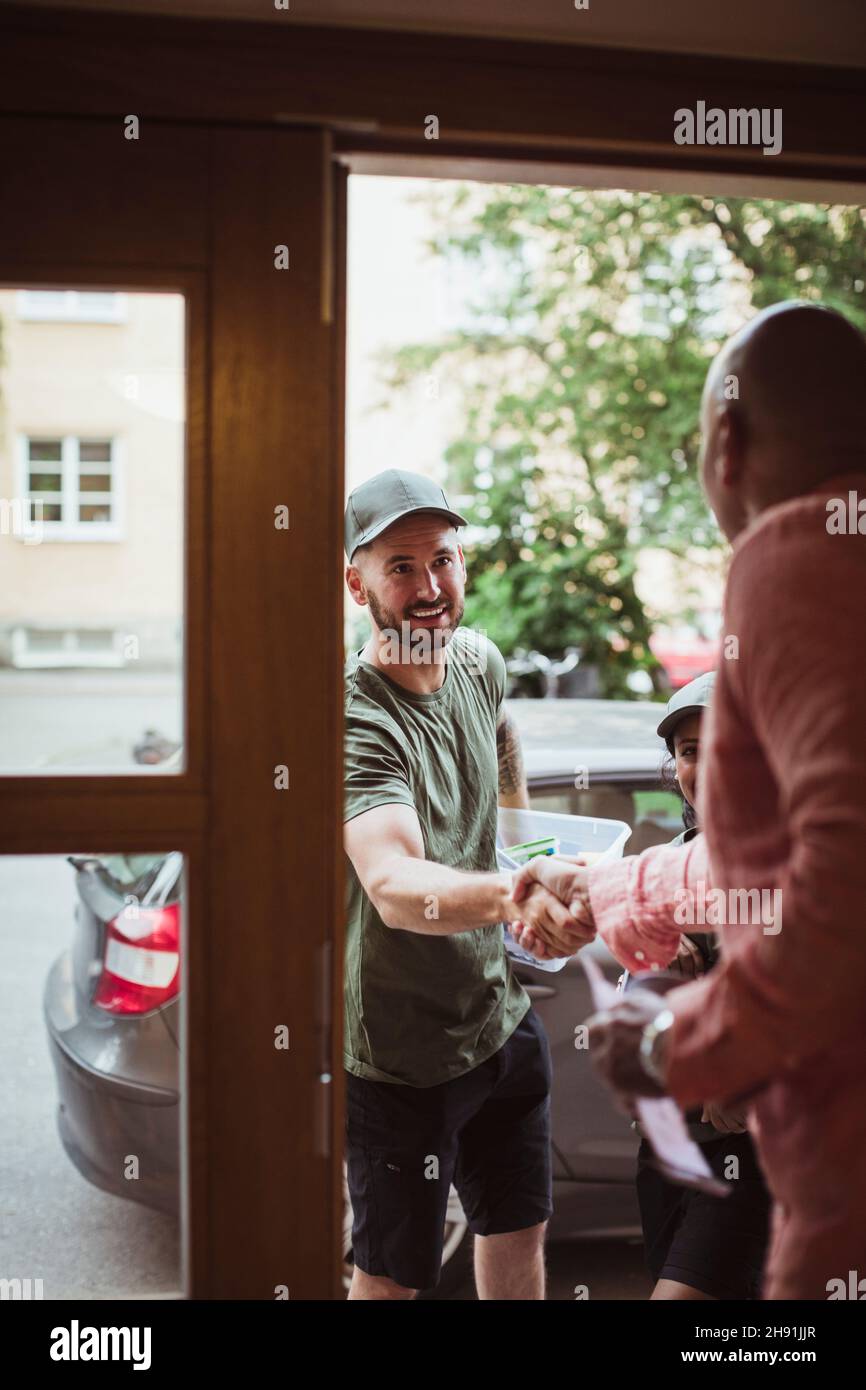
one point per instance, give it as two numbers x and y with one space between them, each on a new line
244 224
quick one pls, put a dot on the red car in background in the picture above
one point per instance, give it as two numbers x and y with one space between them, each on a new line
687 651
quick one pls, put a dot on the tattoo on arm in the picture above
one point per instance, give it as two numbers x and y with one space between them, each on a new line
512 777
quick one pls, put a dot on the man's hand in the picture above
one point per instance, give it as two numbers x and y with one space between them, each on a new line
532 943
543 918
565 878
614 1042
688 960
729 1119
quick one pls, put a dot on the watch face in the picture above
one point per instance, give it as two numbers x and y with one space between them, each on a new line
651 1045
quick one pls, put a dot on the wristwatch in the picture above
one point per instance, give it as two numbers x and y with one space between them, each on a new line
651 1044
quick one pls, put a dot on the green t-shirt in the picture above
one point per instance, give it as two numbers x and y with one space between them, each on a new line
423 1009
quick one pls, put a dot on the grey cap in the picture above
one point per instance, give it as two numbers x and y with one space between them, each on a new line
378 503
693 698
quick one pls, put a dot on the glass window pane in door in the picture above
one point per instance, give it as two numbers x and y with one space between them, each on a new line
92 458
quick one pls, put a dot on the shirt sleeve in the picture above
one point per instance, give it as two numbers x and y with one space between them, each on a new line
635 901
794 600
375 772
496 674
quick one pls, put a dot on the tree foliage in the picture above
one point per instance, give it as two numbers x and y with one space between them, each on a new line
579 368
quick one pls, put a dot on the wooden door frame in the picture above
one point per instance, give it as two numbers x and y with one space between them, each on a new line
261 945
271 1214
48 809
375 88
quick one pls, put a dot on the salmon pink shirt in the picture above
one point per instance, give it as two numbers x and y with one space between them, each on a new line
782 803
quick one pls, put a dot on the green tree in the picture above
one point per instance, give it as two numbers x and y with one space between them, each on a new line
594 316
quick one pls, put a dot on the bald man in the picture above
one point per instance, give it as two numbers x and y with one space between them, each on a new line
781 1022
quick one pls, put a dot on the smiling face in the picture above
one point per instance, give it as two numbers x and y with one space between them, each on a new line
413 573
686 753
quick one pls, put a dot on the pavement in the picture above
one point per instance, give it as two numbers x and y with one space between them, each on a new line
83 721
54 1225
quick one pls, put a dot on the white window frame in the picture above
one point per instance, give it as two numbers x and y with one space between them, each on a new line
26 657
71 529
77 307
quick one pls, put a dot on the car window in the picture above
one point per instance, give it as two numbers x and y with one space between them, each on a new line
655 816
128 869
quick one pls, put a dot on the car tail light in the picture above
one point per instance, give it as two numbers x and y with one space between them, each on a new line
140 969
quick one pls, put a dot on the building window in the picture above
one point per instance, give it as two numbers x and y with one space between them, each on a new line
72 486
72 306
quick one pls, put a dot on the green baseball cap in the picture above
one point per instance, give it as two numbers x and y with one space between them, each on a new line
378 503
693 698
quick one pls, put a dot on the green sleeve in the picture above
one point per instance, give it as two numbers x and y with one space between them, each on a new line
375 772
496 675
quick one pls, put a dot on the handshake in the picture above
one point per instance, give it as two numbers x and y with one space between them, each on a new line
550 914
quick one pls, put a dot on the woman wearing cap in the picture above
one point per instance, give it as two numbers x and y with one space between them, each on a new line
698 1246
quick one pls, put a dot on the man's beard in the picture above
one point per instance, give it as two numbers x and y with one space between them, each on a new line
387 621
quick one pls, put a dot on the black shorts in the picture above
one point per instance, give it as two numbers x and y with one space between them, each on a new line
487 1131
714 1244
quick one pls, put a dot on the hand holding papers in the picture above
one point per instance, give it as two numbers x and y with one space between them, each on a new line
678 1158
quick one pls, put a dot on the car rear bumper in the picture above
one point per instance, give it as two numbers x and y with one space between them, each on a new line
107 1135
112 1128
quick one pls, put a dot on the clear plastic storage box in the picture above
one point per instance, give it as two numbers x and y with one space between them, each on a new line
602 839
576 834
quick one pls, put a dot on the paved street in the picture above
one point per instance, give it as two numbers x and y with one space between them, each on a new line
55 1226
85 721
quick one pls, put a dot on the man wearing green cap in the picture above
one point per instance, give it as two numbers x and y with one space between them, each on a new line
448 1068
